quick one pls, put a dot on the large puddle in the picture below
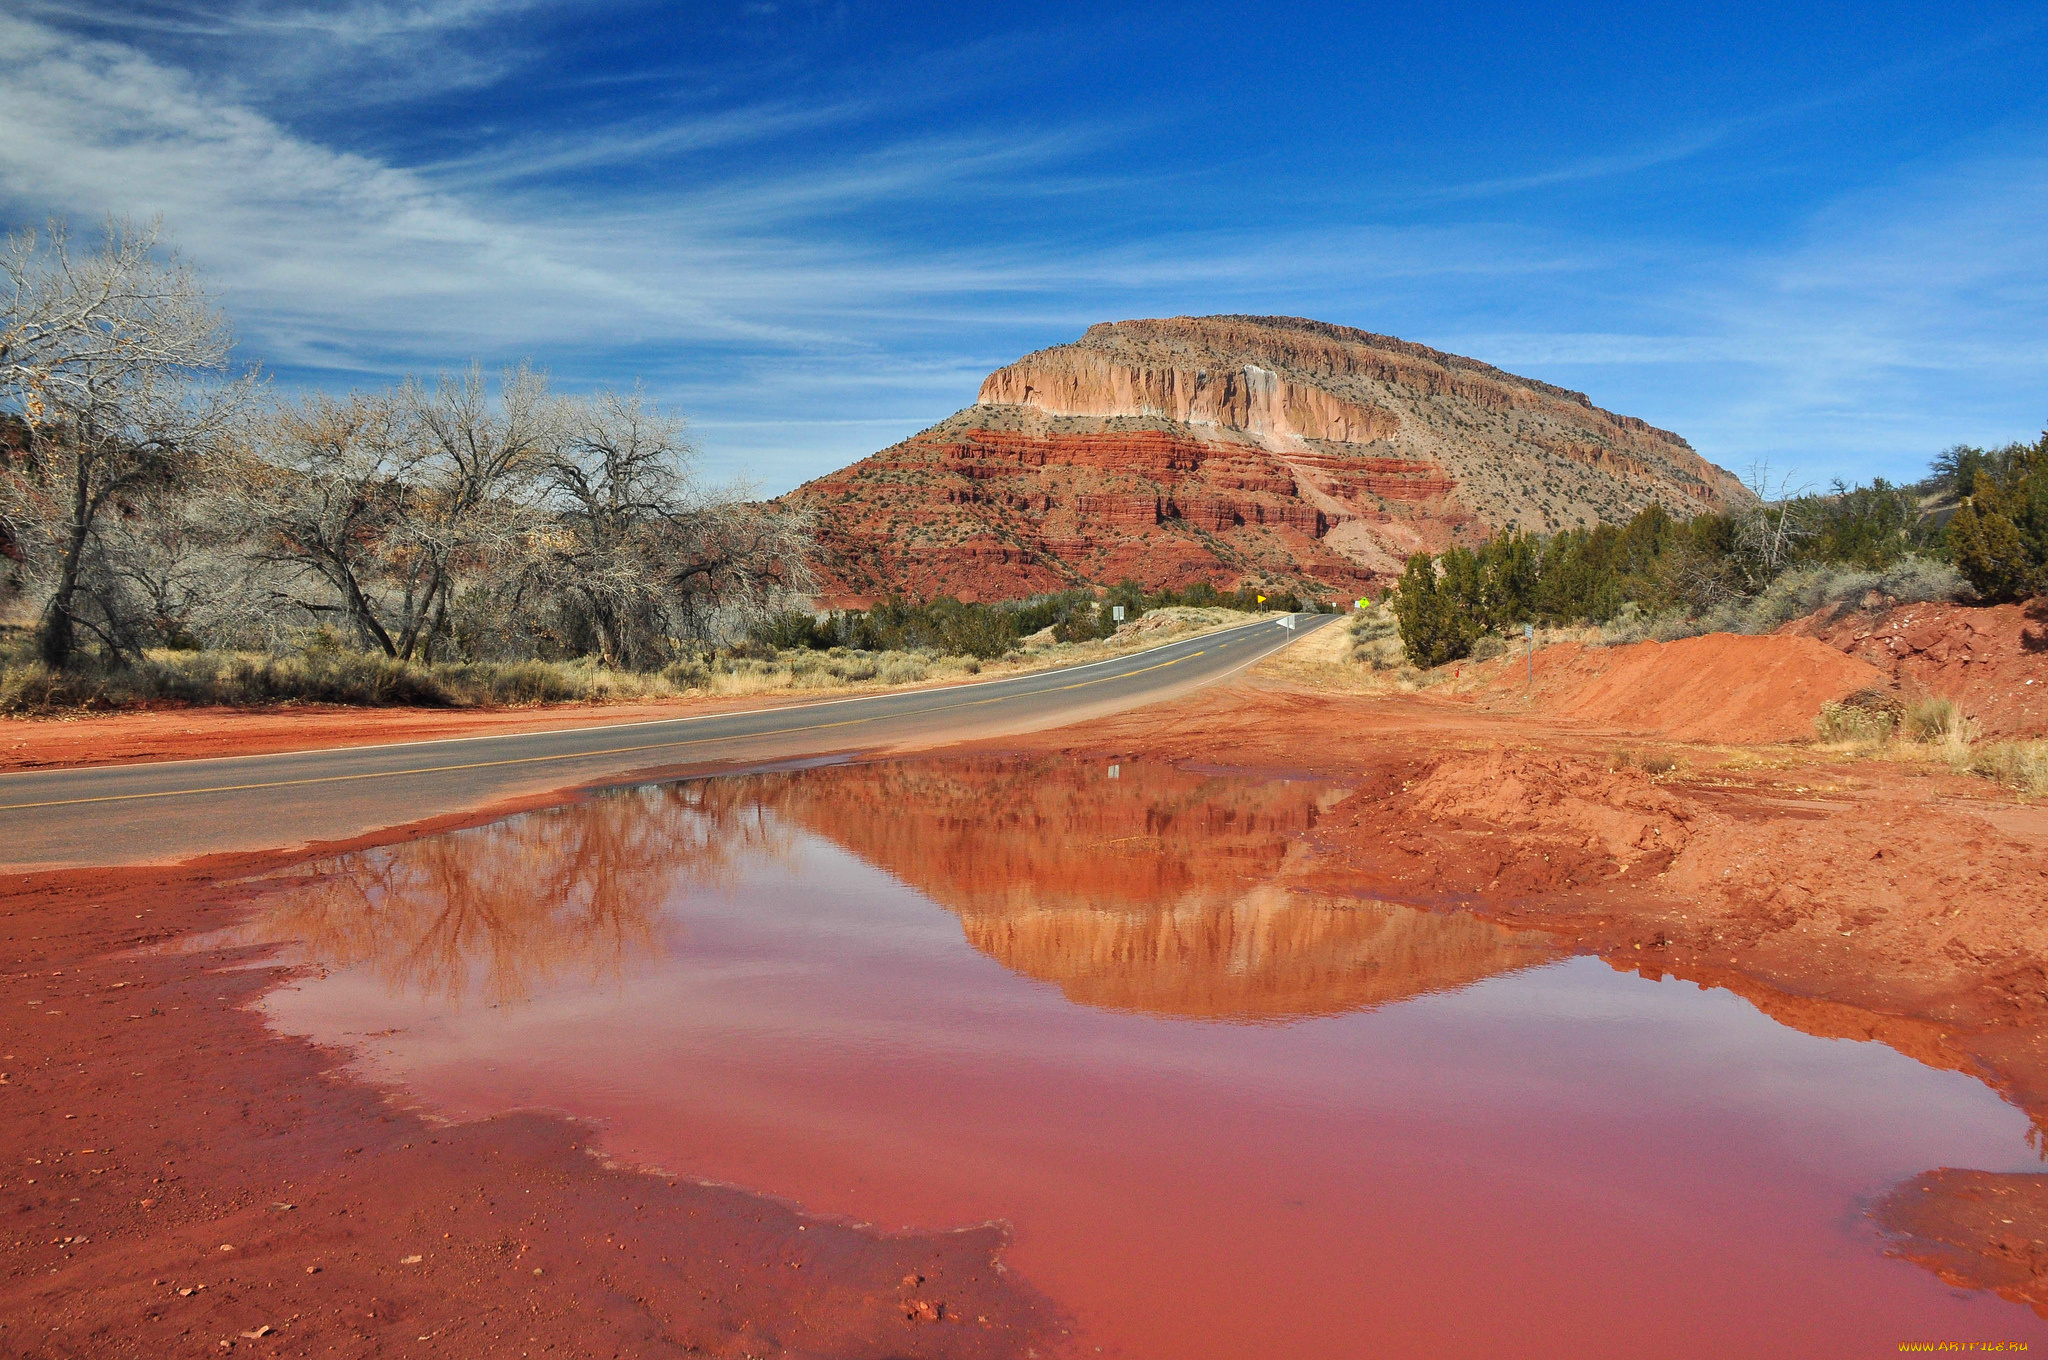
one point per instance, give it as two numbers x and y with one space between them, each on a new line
1223 1117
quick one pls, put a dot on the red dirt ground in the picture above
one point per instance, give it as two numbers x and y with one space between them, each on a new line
182 1182
1993 662
1721 687
1872 899
1879 898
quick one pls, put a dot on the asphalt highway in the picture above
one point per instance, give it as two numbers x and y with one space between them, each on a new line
174 810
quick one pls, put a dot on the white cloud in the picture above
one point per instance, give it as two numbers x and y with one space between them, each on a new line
750 290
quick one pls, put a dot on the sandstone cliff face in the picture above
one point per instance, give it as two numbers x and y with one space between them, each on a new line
1073 381
1236 449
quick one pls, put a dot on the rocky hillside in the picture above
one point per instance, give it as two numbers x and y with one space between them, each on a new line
1235 449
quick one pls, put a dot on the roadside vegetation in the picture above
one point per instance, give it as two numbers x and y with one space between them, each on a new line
329 674
173 532
1879 723
1976 529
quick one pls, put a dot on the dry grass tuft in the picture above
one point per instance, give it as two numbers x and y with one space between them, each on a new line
1934 728
2021 764
1649 762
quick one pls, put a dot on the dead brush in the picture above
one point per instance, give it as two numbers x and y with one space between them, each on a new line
1649 762
1869 717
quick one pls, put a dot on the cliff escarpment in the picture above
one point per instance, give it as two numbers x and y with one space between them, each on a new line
1235 449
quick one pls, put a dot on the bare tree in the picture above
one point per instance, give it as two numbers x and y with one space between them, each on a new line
479 464
511 522
1769 532
638 550
619 470
105 358
374 506
731 562
331 486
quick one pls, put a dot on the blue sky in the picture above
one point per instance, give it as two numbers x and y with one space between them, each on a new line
1815 238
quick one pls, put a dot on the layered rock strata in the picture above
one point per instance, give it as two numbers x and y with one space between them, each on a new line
1235 450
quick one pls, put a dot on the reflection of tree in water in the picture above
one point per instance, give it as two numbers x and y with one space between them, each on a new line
496 912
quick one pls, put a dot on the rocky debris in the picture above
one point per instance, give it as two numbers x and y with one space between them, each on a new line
1992 661
1977 1229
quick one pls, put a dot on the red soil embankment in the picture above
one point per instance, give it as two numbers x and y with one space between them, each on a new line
1720 687
1992 661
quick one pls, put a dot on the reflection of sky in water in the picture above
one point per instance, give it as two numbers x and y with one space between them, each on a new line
1520 1138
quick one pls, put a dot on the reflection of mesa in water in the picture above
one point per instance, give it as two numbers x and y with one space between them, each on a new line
1143 892
1148 892
1270 955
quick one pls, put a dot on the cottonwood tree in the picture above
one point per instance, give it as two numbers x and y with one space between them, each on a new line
329 485
639 550
115 362
564 525
730 562
373 506
618 470
480 464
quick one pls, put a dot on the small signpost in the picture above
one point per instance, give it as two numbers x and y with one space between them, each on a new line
1116 613
1529 636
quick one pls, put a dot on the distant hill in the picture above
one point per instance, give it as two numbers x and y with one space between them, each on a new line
1235 449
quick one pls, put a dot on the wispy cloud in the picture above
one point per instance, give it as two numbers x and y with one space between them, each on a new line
755 290
1903 319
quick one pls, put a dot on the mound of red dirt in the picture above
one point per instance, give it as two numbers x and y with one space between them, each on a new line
1721 687
1992 661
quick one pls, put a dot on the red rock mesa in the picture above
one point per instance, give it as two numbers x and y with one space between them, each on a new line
1234 449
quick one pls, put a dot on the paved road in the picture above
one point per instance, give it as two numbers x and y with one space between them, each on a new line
169 810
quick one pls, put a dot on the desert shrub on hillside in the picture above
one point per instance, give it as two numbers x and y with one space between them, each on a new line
1867 718
1916 579
1999 535
1747 571
1798 592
